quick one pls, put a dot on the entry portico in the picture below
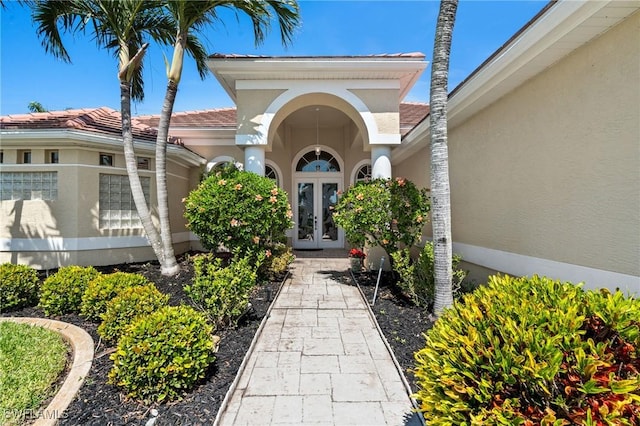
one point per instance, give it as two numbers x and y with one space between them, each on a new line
317 119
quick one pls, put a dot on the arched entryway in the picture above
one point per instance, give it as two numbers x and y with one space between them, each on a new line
317 180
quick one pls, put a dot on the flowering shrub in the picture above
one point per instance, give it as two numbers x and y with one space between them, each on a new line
357 253
238 210
383 212
532 351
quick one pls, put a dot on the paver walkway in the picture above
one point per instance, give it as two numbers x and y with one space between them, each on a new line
319 359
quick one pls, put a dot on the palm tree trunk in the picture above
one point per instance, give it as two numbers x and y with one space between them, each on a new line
440 192
170 266
132 172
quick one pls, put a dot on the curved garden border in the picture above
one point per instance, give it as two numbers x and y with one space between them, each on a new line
82 346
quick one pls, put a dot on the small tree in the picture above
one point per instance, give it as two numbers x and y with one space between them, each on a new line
383 212
238 210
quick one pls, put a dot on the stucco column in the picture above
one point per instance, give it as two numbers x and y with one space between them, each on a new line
254 159
380 162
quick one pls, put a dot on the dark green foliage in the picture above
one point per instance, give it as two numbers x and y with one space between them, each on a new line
62 292
162 355
104 288
416 278
222 292
18 286
532 351
238 210
129 305
383 212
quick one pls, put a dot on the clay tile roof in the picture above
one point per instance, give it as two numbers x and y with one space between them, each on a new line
223 117
96 120
107 121
411 113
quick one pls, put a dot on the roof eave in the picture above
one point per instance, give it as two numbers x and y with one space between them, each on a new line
520 59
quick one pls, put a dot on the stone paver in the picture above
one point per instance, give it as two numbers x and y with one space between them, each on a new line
319 359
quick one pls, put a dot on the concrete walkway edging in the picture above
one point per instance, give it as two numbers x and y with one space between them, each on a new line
82 346
245 360
405 382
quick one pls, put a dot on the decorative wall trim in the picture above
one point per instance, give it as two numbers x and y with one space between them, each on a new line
521 265
83 244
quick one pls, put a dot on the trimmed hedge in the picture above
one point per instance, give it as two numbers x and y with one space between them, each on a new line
129 305
163 354
222 292
18 286
62 292
104 288
532 351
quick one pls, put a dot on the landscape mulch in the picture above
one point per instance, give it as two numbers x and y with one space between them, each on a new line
99 403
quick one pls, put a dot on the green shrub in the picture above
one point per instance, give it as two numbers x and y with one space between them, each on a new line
222 292
279 260
62 292
163 354
18 286
129 305
383 212
416 279
238 210
532 351
104 288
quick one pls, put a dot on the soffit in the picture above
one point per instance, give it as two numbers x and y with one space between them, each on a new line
561 28
404 68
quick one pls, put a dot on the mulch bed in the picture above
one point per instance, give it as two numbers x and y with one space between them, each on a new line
99 403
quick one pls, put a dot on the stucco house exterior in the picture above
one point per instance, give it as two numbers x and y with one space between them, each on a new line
544 147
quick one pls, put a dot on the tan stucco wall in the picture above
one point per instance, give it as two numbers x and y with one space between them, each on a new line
384 106
74 214
552 170
251 106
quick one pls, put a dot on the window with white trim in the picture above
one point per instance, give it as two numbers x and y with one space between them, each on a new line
116 207
317 161
29 186
363 174
271 173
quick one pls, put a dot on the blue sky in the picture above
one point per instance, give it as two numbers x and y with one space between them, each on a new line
28 74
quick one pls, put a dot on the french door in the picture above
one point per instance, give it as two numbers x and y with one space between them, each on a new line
314 198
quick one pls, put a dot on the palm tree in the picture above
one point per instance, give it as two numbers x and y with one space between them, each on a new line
35 106
123 27
440 193
190 18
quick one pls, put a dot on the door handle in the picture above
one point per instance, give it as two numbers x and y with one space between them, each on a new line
315 223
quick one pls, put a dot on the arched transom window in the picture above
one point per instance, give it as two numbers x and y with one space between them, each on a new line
363 174
317 161
271 173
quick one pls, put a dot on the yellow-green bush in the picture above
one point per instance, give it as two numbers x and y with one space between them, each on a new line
163 354
416 278
18 286
129 305
104 288
222 292
61 293
279 260
532 351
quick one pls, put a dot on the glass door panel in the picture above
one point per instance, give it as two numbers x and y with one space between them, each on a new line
329 200
306 219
